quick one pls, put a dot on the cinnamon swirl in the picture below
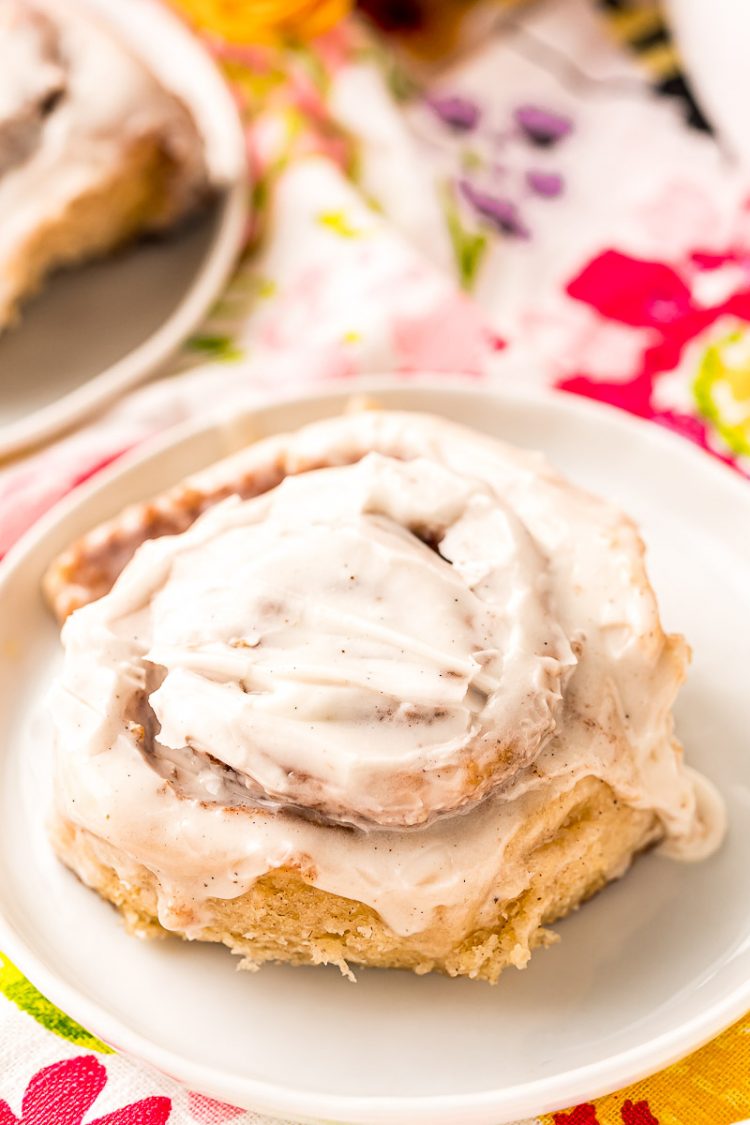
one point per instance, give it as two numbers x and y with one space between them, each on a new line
383 691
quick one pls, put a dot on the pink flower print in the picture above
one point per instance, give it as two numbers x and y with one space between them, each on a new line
257 59
679 215
602 348
27 492
210 1112
64 1093
336 46
451 337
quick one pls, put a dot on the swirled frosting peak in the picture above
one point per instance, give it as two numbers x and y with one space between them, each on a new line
373 642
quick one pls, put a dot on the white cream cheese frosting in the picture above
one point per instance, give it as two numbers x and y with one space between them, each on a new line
373 673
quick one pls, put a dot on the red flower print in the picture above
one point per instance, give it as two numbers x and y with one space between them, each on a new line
64 1093
632 1113
664 301
637 1113
581 1115
643 294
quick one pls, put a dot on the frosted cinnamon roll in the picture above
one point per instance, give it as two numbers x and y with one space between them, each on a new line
92 149
384 691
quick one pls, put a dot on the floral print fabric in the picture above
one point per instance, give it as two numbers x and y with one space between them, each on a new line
538 214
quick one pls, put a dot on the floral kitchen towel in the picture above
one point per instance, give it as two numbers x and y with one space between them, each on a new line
383 207
549 211
53 1072
538 213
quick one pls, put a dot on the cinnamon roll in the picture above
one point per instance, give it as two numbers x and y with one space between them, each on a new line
92 149
384 691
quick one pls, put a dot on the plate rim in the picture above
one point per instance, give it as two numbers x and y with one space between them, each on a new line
533 1097
231 177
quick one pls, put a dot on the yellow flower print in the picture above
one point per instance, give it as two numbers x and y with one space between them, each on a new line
263 21
722 389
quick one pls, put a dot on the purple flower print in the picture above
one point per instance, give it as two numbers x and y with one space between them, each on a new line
502 213
546 184
541 126
457 112
502 178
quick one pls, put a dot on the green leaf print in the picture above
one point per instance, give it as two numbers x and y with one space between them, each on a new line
468 246
217 347
24 995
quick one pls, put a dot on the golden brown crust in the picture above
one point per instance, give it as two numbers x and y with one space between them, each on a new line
573 847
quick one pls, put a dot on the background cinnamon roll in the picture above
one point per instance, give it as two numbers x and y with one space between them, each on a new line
383 691
93 150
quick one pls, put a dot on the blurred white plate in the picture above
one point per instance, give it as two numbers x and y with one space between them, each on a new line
713 37
97 330
645 972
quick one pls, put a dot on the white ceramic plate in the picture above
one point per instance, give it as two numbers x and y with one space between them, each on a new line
714 39
97 330
645 972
